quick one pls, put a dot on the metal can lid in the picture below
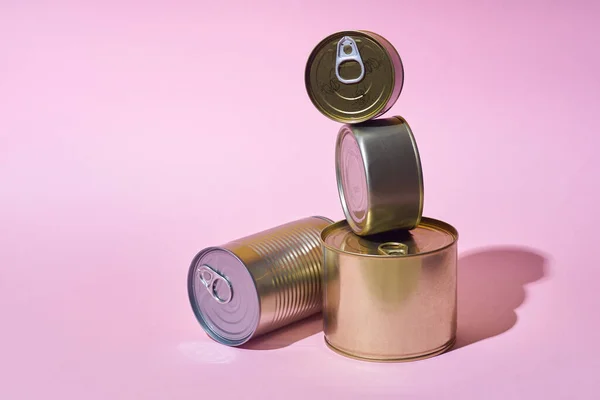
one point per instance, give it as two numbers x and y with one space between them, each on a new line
223 296
350 76
429 236
353 179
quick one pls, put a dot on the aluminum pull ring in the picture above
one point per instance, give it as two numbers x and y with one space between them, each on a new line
347 50
393 249
209 278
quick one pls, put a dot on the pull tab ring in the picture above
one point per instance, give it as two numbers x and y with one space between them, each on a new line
347 50
209 278
393 249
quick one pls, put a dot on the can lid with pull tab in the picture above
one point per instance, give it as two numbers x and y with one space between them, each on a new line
223 296
428 237
354 76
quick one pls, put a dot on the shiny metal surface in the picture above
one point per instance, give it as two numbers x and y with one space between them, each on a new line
379 176
354 76
391 296
256 284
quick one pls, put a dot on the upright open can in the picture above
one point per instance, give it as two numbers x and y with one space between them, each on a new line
379 176
390 296
354 76
256 284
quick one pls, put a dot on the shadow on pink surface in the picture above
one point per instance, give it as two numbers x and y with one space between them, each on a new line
287 335
491 286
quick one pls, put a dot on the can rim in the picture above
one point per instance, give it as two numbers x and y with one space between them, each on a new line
196 309
436 223
323 218
378 110
399 359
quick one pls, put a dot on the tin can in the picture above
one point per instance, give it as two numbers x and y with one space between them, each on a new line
354 76
379 176
390 296
256 284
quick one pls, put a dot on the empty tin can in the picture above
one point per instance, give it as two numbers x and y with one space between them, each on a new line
258 283
390 296
354 76
379 176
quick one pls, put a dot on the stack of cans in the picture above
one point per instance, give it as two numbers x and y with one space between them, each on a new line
385 277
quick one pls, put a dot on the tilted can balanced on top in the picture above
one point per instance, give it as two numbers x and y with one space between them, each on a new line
389 291
354 76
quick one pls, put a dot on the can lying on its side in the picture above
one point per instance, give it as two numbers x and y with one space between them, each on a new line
258 283
390 296
379 176
354 76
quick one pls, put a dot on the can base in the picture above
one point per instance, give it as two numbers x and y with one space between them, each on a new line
435 352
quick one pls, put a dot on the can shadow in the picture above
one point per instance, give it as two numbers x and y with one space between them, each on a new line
287 335
491 286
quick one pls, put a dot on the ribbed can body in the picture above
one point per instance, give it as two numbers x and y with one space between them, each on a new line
280 277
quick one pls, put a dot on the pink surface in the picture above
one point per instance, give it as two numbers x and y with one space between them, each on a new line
134 134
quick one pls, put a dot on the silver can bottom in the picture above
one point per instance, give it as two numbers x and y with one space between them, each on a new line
231 322
396 358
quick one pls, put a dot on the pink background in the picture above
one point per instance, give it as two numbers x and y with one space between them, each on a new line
133 135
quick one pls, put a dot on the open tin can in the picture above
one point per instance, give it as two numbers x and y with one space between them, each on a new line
390 296
256 284
354 76
379 176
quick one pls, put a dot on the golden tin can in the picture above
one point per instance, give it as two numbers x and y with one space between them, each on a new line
390 296
379 176
256 284
354 76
